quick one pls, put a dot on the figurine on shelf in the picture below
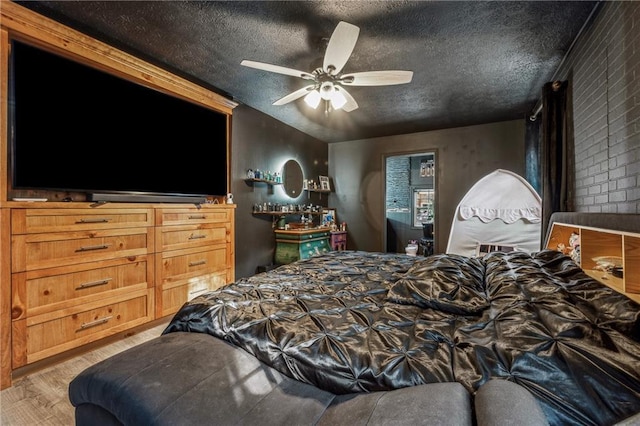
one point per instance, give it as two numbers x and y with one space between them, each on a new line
574 244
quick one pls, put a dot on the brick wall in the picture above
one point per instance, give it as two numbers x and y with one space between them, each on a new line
398 184
604 67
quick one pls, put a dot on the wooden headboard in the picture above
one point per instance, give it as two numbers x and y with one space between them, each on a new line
608 246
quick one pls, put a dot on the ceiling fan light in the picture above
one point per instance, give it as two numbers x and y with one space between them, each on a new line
326 90
337 99
313 99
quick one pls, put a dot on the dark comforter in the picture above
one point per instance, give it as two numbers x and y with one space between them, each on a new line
360 321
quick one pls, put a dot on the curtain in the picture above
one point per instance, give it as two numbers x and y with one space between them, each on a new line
556 151
532 153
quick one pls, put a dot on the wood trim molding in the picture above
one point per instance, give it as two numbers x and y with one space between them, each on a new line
26 25
5 236
4 118
5 299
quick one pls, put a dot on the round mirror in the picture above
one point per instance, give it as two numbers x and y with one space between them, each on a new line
292 178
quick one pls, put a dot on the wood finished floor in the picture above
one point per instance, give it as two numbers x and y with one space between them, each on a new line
41 398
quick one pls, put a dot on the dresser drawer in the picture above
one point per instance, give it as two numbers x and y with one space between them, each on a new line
172 296
180 265
33 221
56 332
187 236
182 216
45 290
37 251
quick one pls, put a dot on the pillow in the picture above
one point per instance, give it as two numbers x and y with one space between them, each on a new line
446 282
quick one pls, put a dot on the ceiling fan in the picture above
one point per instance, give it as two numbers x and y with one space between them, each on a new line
327 82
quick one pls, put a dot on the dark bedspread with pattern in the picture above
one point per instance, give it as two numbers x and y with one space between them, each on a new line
360 321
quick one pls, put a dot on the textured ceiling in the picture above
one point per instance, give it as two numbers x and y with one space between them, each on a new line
473 62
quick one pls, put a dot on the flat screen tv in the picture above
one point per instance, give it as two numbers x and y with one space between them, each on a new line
78 129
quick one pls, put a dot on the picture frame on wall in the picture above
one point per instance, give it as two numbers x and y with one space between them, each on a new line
329 215
324 183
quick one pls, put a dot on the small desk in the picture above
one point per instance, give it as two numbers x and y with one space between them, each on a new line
338 240
295 244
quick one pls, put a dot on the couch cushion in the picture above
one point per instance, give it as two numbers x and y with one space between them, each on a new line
432 404
504 403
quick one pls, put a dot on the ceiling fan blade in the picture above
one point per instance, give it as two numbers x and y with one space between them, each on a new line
340 47
294 95
278 69
351 103
377 78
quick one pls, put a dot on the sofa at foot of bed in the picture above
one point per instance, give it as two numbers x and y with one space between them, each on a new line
196 379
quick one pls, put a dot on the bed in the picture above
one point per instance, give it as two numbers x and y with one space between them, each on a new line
353 322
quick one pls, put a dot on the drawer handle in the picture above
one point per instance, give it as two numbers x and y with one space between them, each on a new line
90 248
197 236
199 216
194 292
197 262
93 284
90 324
94 220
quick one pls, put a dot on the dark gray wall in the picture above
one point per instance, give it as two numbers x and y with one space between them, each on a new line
259 141
607 149
463 155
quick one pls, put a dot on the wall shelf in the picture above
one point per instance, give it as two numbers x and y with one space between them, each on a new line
268 182
276 216
611 257
318 191
286 213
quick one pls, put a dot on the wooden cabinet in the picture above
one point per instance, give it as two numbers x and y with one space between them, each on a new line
195 254
79 273
338 240
611 257
295 244
71 273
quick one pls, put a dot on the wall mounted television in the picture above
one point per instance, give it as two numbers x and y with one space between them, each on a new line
75 128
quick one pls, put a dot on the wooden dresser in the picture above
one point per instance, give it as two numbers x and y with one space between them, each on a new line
77 275
73 273
81 273
194 254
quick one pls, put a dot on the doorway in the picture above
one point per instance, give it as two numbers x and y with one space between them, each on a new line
410 200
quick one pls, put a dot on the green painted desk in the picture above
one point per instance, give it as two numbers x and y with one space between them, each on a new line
295 244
